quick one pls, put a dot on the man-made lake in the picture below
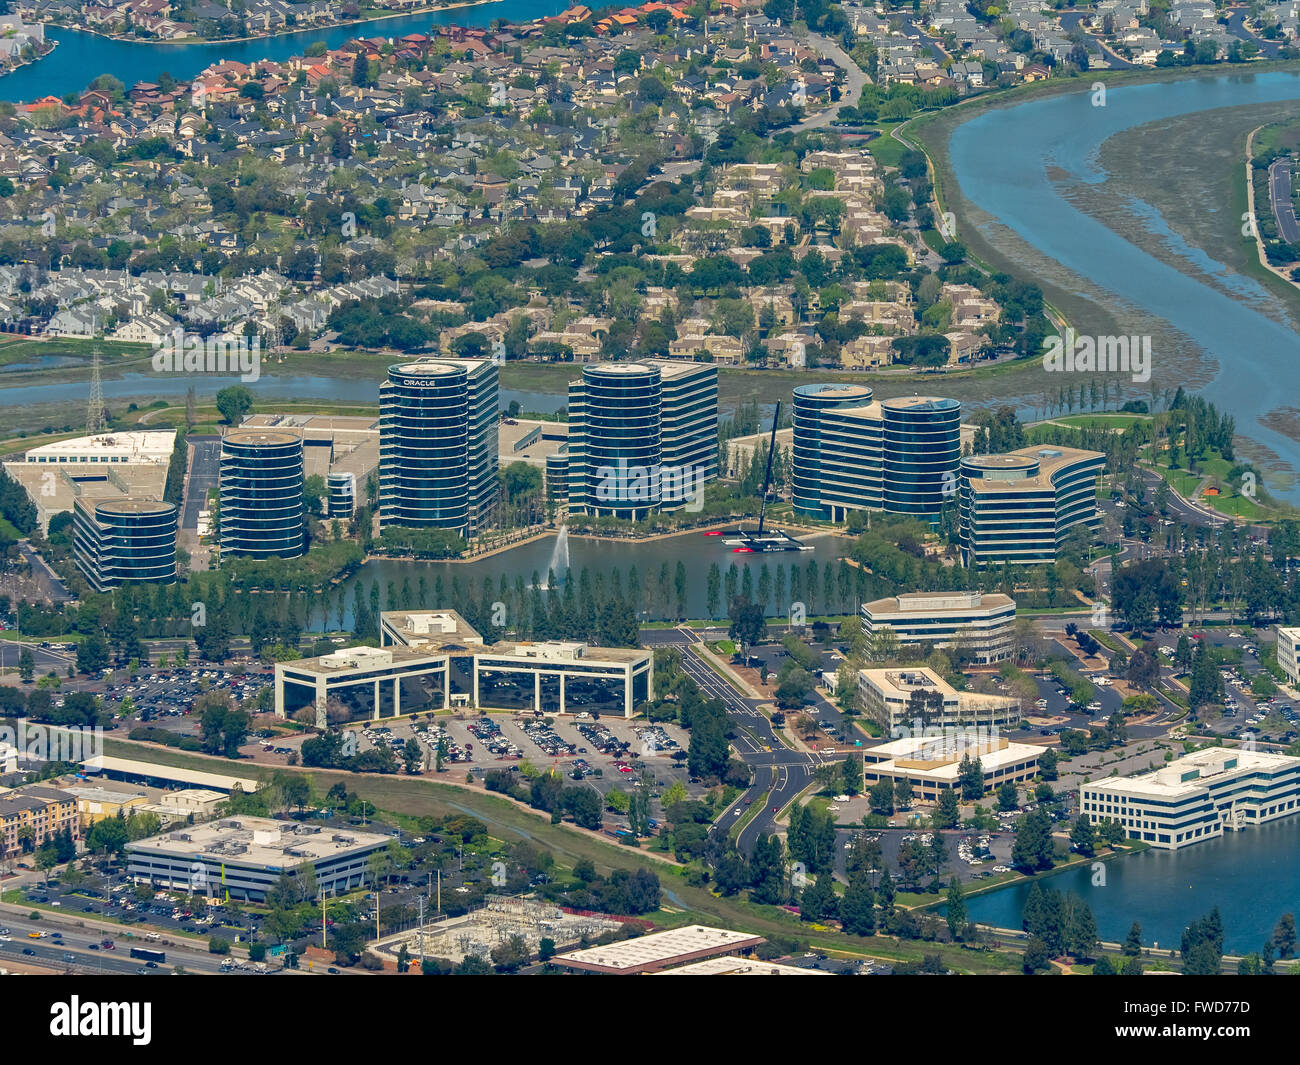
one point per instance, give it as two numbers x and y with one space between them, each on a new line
1252 876
81 57
697 551
1011 163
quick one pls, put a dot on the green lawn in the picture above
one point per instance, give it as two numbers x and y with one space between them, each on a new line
885 148
1100 420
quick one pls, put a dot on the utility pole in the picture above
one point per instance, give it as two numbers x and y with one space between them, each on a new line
323 942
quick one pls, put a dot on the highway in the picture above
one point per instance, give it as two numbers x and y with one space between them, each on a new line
76 937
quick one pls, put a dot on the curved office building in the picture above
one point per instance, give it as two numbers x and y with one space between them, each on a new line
817 438
424 435
853 453
922 449
125 541
614 454
262 513
1018 508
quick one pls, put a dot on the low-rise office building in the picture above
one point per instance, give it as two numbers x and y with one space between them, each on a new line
1197 797
981 623
242 857
932 764
431 660
907 701
1288 653
1017 509
99 804
157 775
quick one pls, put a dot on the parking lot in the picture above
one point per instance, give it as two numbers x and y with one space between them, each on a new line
164 698
603 752
115 897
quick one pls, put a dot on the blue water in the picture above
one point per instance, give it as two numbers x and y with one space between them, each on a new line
81 57
1252 876
1001 160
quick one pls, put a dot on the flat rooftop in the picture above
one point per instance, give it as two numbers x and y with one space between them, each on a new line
733 966
262 437
1026 469
671 369
103 763
659 950
566 651
1195 772
429 628
260 841
939 757
551 437
937 604
353 659
91 794
136 446
428 632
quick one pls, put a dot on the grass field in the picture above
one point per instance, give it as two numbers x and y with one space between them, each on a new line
1116 421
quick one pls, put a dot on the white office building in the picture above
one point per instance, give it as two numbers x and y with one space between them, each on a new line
982 623
909 701
1197 797
1288 653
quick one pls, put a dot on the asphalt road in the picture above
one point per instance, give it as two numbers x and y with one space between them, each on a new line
45 659
204 470
76 942
51 584
1279 192
779 772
